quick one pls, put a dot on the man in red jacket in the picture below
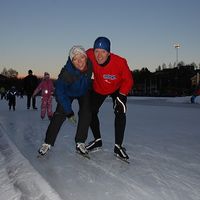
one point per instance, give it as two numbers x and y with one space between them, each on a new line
112 77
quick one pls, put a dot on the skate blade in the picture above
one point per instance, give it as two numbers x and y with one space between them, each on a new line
41 156
122 159
83 155
95 149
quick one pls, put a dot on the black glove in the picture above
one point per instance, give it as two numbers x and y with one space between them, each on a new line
120 103
70 114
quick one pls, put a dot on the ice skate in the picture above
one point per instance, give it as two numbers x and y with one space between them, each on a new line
120 152
80 148
44 149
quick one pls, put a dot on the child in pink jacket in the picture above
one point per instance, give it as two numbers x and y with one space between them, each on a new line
46 87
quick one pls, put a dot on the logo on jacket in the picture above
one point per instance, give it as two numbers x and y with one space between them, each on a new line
109 77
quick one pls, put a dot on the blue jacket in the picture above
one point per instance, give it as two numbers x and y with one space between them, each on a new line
71 84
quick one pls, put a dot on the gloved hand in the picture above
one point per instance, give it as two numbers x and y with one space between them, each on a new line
120 103
71 118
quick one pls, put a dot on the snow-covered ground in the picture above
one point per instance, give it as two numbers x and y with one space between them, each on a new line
162 139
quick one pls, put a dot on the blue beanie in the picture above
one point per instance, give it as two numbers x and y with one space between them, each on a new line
102 43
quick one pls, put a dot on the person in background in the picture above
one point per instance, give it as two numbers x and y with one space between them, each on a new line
195 94
74 82
30 84
112 77
47 89
2 92
11 97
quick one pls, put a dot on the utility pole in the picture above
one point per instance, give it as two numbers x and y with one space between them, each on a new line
177 46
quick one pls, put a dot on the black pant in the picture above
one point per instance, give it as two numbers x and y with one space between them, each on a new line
59 116
120 118
29 97
12 102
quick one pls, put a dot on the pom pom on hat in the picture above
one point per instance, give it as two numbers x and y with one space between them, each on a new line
77 49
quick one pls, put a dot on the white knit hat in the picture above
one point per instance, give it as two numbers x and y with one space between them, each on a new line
76 49
46 75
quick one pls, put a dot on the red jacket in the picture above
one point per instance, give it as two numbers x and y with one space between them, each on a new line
116 75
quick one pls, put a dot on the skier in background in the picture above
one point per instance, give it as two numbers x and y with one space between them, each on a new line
46 88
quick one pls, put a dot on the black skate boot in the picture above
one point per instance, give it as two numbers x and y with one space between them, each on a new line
120 152
94 145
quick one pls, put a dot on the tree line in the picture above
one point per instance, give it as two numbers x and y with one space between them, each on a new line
165 81
171 81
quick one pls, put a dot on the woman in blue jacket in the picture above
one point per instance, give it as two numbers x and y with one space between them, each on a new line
74 82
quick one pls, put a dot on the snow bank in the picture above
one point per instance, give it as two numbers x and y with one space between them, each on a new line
185 99
18 179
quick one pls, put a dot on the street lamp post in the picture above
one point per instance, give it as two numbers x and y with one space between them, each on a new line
177 46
